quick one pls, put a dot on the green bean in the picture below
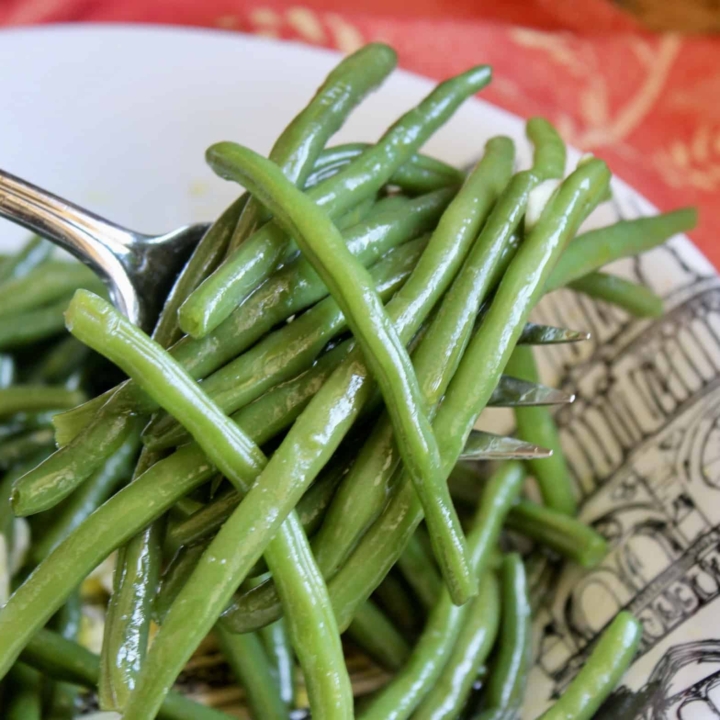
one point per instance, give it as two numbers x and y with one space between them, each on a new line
398 605
376 635
54 479
537 425
508 675
550 154
477 636
430 655
240 460
67 661
353 289
34 398
21 447
290 350
60 362
279 649
295 151
25 701
63 694
418 569
45 285
19 330
629 296
35 252
364 176
338 403
249 662
567 536
601 672
595 248
485 358
174 577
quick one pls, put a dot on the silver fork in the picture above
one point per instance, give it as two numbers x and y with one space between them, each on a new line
138 269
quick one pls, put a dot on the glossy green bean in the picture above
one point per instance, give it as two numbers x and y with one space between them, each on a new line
601 672
339 402
485 358
567 536
25 702
376 635
277 644
35 398
295 152
64 695
46 285
65 660
86 500
550 154
353 289
34 253
508 675
290 350
54 479
476 639
537 425
240 460
408 688
250 664
595 248
26 328
635 299
418 569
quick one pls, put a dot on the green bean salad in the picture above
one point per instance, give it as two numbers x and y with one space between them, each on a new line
287 470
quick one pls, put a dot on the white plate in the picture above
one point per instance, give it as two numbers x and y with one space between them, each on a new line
118 118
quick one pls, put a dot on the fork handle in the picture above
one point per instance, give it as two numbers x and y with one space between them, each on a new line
105 247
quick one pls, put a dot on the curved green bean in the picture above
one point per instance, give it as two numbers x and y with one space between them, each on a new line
625 294
484 358
537 425
408 688
601 672
254 261
353 289
550 154
295 152
567 536
249 662
477 636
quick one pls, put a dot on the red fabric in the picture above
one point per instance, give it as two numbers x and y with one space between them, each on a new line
648 104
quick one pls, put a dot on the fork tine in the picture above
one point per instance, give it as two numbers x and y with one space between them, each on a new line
535 334
486 446
514 392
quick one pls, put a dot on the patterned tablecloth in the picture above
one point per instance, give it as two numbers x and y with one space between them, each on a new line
648 103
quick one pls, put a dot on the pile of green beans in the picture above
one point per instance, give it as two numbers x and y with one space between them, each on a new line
300 409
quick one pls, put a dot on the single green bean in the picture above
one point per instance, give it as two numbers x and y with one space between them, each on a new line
601 672
100 325
339 402
26 328
25 702
295 152
408 688
35 252
419 570
476 639
566 535
289 350
353 289
54 479
65 660
595 248
64 695
550 154
249 662
537 425
20 447
376 635
277 644
506 683
629 296
485 358
88 498
46 285
34 398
